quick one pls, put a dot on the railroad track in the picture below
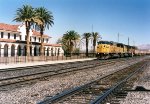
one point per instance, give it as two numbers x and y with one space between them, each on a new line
35 76
97 91
59 65
44 66
127 86
39 75
53 67
120 90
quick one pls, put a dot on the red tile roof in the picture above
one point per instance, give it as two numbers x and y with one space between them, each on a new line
7 40
55 45
36 33
8 27
14 28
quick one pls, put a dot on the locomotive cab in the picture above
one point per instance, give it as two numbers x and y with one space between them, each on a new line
103 48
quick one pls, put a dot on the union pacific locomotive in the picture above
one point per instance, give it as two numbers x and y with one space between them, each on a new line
108 49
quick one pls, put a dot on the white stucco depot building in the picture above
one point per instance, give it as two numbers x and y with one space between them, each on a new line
13 42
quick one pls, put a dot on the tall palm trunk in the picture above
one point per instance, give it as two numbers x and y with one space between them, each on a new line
93 49
27 24
70 47
94 44
87 43
42 42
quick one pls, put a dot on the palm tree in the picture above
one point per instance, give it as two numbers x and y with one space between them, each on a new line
26 15
95 36
87 36
69 40
45 18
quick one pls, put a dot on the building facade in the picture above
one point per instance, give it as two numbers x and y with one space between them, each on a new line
13 42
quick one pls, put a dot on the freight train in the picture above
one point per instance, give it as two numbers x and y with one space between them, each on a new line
110 49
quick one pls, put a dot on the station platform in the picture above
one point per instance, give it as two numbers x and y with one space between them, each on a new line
15 65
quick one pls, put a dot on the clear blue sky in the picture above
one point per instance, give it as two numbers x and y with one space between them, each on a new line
129 18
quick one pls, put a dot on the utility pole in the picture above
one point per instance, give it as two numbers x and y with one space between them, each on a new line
133 43
128 40
92 27
91 40
118 37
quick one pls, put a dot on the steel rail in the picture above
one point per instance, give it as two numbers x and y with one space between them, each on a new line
103 96
56 72
57 64
74 90
39 66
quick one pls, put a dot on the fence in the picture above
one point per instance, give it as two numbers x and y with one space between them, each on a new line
24 59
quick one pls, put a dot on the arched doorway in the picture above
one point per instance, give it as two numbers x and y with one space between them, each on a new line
19 50
52 52
39 52
5 50
44 50
48 51
30 50
13 50
58 52
35 51
0 50
24 51
55 51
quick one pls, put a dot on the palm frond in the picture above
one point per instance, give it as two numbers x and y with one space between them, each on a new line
26 13
45 18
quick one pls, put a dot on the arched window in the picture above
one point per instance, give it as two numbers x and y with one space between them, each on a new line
24 51
13 50
19 50
48 51
5 50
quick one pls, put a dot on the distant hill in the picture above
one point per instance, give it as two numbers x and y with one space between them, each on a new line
144 47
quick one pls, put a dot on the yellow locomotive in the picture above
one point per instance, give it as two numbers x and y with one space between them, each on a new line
107 49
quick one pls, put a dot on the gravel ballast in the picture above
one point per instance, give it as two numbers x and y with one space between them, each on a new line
35 93
140 97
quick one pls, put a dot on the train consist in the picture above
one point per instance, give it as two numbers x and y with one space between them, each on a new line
109 49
